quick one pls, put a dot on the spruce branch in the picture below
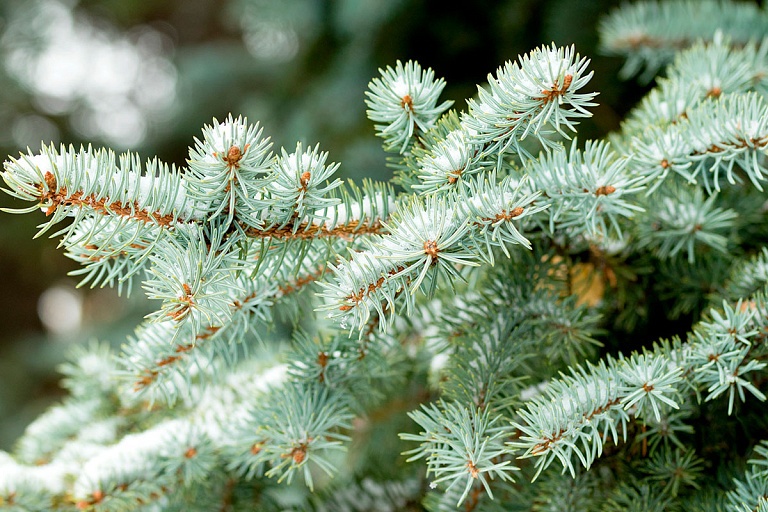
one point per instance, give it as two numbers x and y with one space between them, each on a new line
298 187
705 70
404 101
536 96
714 141
747 277
193 280
354 211
650 33
664 432
122 213
67 181
88 371
430 237
158 365
461 447
521 311
165 356
228 168
25 487
429 165
680 219
344 363
50 432
581 411
481 367
675 468
759 459
150 464
717 67
749 493
586 190
137 459
448 163
112 252
300 426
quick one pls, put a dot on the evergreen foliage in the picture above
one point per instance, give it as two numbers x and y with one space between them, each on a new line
480 320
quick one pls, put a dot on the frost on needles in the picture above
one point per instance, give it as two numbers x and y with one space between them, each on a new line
459 340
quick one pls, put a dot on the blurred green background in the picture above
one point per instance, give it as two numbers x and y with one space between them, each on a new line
145 76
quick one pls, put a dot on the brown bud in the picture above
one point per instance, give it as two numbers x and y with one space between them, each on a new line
299 454
430 249
233 155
